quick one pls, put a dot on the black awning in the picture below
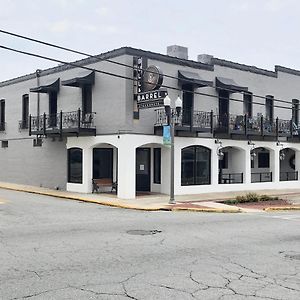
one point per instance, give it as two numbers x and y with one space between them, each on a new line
80 81
53 87
186 77
230 85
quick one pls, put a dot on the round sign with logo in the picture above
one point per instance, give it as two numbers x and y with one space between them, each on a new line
152 78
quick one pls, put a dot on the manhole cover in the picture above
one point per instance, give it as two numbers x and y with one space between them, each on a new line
143 232
293 256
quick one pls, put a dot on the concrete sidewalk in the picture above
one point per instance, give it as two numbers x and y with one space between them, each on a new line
208 202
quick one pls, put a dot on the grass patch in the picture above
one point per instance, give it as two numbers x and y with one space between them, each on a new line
250 197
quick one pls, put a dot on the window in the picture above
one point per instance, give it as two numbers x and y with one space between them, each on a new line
195 165
86 99
295 111
187 103
4 144
269 108
157 166
2 115
263 160
248 104
102 163
25 111
75 165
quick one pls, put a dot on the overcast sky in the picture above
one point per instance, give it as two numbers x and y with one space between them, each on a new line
263 33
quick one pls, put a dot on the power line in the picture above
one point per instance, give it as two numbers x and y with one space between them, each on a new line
125 77
119 63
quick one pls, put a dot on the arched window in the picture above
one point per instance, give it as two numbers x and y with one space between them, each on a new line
195 165
75 165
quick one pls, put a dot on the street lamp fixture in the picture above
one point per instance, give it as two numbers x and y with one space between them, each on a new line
282 151
220 152
172 116
252 150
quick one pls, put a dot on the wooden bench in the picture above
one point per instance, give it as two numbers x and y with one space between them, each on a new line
98 184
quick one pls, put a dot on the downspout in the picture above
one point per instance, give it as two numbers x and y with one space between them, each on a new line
38 74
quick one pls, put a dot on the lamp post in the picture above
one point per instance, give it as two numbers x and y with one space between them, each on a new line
171 116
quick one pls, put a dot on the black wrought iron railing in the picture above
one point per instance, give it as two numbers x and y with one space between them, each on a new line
261 177
232 123
62 120
202 119
231 178
162 119
2 126
288 176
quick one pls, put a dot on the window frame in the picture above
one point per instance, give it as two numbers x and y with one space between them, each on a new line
195 164
71 179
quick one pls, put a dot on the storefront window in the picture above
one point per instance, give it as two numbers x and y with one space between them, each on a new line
195 165
75 165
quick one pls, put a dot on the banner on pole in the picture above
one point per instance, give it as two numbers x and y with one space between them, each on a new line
167 135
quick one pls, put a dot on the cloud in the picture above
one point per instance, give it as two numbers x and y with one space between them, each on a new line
65 26
60 26
102 11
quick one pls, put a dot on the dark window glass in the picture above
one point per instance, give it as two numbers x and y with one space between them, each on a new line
295 111
269 108
223 117
102 163
2 112
52 109
87 99
248 104
223 163
157 165
75 165
263 160
187 103
4 144
25 111
195 165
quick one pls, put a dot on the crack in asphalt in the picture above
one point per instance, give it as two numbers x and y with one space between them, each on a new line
40 293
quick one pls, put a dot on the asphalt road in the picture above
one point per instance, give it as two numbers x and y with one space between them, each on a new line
59 249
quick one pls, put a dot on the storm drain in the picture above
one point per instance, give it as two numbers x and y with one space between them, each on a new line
293 256
143 232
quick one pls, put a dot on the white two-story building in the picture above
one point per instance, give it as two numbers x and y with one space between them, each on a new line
238 129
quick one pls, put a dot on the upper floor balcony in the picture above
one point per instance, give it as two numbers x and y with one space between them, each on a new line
232 126
63 124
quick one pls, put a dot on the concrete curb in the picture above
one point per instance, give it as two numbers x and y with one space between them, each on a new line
215 210
282 208
119 205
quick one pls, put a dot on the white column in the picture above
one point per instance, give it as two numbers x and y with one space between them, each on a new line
165 169
214 167
177 169
87 170
247 169
126 171
275 164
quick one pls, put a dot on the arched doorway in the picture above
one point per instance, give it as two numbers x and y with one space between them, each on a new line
105 165
231 165
288 170
261 170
